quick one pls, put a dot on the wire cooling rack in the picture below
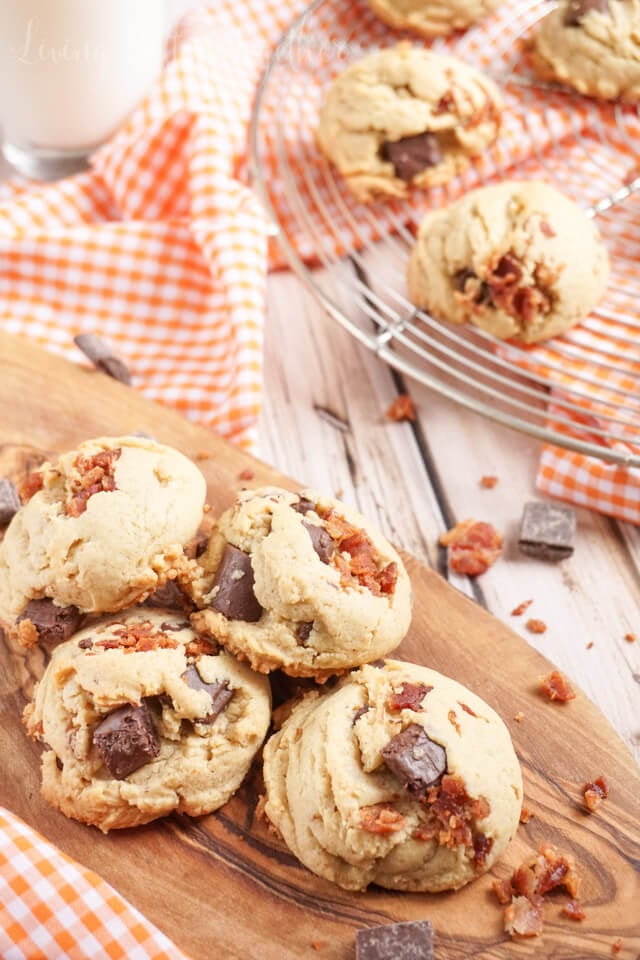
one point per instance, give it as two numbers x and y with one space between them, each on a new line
580 391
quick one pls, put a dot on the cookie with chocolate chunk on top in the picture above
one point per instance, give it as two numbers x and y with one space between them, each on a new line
432 18
399 776
140 717
406 116
519 260
301 583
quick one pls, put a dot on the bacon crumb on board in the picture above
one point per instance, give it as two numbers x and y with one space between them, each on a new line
246 474
536 626
590 645
488 482
616 947
520 609
402 408
473 546
594 793
317 944
519 717
203 455
526 815
630 637
574 910
523 894
557 687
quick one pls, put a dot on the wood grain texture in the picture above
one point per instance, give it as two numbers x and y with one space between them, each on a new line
222 885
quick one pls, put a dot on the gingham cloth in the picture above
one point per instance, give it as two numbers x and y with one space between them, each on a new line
51 908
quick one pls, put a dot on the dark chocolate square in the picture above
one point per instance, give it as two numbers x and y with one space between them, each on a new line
396 941
547 531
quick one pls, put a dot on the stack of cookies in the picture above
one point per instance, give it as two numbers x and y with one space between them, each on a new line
157 694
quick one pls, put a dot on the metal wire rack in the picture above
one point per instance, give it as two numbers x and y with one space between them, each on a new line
580 391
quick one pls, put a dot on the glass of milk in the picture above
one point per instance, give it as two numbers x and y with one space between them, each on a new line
70 73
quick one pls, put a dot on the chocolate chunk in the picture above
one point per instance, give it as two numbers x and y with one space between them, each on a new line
417 761
126 739
171 596
412 155
322 543
171 625
304 630
412 940
578 9
86 643
9 502
303 505
547 531
219 692
103 357
53 624
480 288
233 587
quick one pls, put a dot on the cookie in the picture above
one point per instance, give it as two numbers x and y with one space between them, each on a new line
399 777
592 46
105 525
141 717
301 583
519 260
432 18
406 116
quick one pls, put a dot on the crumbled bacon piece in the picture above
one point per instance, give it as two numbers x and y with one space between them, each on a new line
381 818
30 486
488 482
573 909
453 720
523 302
503 891
467 709
408 697
595 792
519 717
246 474
525 815
201 646
473 546
536 626
446 104
402 408
547 229
139 638
630 637
96 474
455 810
590 645
520 609
481 848
361 564
557 687
523 917
616 946
553 869
203 455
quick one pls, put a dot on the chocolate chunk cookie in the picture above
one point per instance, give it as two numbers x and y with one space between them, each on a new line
400 777
432 18
406 115
301 583
140 717
592 46
519 260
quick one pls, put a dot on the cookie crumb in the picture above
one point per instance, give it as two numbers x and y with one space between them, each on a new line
557 687
488 482
402 408
246 474
536 626
520 609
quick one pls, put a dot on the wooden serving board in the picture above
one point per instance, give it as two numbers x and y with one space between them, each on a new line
222 886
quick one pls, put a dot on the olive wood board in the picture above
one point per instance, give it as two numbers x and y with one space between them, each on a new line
222 885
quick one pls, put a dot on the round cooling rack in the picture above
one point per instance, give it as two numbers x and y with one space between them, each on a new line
580 391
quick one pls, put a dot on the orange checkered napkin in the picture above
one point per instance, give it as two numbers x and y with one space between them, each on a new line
52 908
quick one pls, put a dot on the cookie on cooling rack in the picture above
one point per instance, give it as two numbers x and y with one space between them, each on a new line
302 583
141 717
519 260
432 18
399 777
102 528
406 115
592 46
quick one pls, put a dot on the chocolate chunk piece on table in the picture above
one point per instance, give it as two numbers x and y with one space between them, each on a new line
103 357
412 940
232 593
416 760
126 739
547 530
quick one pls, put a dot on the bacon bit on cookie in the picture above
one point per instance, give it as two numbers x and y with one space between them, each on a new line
528 885
96 474
526 815
520 609
138 638
557 687
452 806
616 946
488 482
630 637
473 546
481 848
453 720
594 793
201 646
30 486
536 626
408 697
467 709
402 408
574 910
381 818
246 474
361 565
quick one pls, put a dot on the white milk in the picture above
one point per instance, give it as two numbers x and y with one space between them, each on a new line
72 70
